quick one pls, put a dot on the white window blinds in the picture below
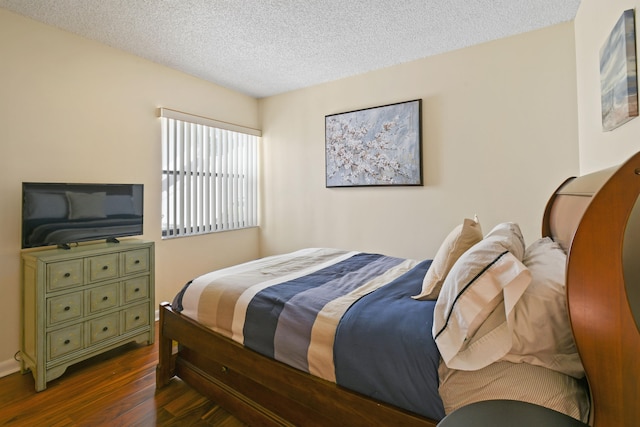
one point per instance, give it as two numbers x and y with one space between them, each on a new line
209 175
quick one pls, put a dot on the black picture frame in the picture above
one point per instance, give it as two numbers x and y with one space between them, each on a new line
377 146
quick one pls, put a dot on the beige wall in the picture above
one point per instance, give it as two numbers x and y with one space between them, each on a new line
499 132
77 111
598 149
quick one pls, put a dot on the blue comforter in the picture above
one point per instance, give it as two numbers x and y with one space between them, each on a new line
347 317
388 333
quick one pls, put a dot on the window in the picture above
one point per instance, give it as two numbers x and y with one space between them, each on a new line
209 175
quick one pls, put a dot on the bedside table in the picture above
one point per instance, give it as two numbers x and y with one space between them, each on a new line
507 413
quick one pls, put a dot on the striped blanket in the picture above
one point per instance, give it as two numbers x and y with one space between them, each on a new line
343 316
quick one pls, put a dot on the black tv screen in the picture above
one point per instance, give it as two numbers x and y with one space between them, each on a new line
62 213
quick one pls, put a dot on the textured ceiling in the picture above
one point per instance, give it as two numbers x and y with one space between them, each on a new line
266 47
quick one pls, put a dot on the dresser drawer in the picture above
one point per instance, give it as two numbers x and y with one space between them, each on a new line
103 328
65 274
102 298
135 261
64 341
103 267
64 307
136 317
135 289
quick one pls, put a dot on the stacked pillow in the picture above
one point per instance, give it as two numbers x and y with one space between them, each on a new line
501 323
459 240
496 301
542 329
514 381
473 316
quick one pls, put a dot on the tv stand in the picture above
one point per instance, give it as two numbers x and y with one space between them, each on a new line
83 301
112 240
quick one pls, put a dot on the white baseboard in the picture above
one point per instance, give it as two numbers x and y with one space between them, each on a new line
9 367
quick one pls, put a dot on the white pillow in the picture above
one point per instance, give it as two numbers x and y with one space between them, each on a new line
472 317
542 331
459 240
514 381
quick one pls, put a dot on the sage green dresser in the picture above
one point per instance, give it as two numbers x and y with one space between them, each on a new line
83 301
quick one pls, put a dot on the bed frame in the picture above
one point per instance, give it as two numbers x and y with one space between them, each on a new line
596 219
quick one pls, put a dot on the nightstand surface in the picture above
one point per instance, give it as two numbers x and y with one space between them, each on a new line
507 413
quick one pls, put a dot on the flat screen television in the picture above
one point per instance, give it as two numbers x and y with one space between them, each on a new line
65 213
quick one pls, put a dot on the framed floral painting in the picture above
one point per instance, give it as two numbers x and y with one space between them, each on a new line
379 146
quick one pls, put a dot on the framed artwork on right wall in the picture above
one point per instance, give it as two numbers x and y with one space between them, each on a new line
618 81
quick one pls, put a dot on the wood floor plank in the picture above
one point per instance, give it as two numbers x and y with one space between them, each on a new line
113 405
113 389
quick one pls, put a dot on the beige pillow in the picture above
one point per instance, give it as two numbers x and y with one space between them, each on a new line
455 244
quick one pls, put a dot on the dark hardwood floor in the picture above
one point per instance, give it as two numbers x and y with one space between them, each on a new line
113 389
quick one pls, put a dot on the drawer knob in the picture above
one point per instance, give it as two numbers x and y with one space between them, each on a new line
137 318
67 308
105 329
136 290
105 267
66 342
67 274
104 298
137 261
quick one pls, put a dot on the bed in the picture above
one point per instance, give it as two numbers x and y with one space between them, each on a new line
473 321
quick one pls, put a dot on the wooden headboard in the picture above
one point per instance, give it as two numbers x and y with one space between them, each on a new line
596 219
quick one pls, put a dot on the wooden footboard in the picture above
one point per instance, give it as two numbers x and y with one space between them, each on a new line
261 391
